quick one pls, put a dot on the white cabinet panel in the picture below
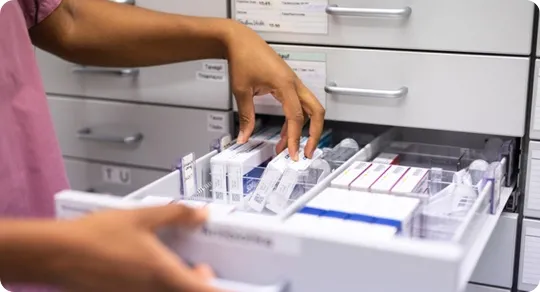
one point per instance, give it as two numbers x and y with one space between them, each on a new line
535 106
108 178
425 90
496 266
503 26
532 185
58 75
529 272
153 136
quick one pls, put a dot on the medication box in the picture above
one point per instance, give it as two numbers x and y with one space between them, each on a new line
345 179
414 181
390 178
218 169
369 177
239 167
387 158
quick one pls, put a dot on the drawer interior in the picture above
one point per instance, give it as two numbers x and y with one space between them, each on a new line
453 247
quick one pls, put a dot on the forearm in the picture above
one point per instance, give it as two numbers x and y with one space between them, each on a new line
103 33
28 250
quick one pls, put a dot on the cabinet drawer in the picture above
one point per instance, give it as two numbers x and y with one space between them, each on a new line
532 184
134 134
424 90
480 288
529 273
298 257
535 106
503 26
108 178
496 265
203 84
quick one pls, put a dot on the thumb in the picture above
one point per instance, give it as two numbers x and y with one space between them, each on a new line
246 113
173 214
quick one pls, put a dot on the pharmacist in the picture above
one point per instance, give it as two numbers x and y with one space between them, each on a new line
113 251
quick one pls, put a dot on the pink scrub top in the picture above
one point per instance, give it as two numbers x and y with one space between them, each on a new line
31 166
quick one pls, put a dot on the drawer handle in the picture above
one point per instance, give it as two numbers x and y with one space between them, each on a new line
333 88
128 2
98 70
88 134
368 12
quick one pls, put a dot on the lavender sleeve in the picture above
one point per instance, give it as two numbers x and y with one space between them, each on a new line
43 8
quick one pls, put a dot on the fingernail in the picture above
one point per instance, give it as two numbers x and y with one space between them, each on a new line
295 156
241 138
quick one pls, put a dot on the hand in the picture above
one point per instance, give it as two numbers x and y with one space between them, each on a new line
256 69
118 251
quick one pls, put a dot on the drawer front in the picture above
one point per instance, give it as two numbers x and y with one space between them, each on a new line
532 184
203 84
143 135
535 107
58 75
108 178
529 271
480 288
483 26
424 90
496 265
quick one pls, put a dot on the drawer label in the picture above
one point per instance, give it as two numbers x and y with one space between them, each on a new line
251 239
116 175
211 76
310 68
214 67
533 185
217 123
293 16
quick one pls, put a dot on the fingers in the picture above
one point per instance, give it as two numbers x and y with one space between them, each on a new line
294 118
246 113
173 214
282 144
316 113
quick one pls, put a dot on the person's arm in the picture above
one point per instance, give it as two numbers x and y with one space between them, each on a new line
103 33
107 252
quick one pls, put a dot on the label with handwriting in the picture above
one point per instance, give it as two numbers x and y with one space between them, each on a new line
294 16
310 68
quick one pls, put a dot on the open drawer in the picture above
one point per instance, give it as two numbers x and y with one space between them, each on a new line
262 249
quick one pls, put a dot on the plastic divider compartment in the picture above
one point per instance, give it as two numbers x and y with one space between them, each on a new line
170 185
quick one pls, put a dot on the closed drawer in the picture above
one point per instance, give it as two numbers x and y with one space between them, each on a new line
143 135
496 265
503 26
464 93
58 75
532 184
535 106
108 178
203 84
480 288
529 272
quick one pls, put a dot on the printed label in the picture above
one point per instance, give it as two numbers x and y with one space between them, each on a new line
210 76
310 68
116 175
214 67
294 16
188 175
217 123
250 239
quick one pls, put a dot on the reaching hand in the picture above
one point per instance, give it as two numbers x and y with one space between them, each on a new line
118 251
256 69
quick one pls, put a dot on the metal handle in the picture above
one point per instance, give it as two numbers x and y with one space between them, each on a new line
99 70
369 12
128 2
333 88
88 134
